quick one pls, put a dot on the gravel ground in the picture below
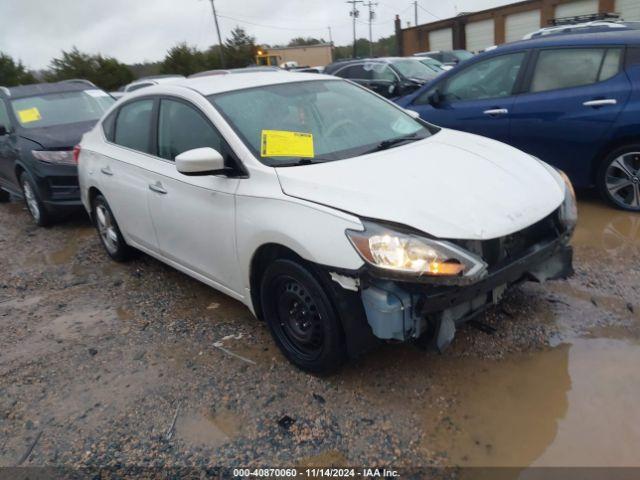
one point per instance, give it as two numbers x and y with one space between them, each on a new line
105 364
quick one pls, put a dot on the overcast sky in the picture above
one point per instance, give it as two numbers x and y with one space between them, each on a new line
35 31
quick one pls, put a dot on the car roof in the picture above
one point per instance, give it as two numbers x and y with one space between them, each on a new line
213 84
626 37
25 91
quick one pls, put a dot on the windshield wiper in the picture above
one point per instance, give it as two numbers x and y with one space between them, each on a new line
386 144
301 161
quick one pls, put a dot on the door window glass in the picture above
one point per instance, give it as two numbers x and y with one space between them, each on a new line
133 125
492 78
382 72
182 128
4 115
357 72
574 67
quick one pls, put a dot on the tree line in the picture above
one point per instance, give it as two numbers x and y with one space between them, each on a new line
110 74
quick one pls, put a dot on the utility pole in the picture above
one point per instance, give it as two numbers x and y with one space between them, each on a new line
355 14
215 19
415 12
372 15
330 38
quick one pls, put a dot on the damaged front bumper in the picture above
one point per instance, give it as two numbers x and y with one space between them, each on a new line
403 310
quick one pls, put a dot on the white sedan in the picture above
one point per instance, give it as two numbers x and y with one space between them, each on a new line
336 216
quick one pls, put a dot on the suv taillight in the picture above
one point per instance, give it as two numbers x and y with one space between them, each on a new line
76 153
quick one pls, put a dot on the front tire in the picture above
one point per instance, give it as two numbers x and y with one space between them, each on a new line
301 317
108 230
619 178
34 203
4 196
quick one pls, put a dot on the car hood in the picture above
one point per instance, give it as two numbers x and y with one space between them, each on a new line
59 136
451 185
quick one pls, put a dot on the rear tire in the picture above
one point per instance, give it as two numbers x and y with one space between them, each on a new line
33 201
618 178
108 230
301 317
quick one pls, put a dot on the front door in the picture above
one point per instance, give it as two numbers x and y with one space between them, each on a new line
478 99
8 149
194 216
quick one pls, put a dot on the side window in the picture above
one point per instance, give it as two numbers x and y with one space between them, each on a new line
355 72
574 67
4 115
491 78
133 125
182 128
108 126
383 73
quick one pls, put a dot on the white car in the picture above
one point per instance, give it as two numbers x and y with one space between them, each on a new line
333 214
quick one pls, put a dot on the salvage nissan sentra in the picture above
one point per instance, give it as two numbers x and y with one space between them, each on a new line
334 215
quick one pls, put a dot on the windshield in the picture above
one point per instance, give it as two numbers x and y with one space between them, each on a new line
432 64
462 54
413 68
314 120
55 109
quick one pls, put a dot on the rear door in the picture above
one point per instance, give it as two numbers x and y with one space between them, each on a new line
477 98
122 169
573 97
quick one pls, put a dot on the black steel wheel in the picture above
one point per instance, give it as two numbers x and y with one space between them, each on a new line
301 317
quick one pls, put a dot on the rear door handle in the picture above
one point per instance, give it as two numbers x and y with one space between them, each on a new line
494 112
106 171
600 103
158 188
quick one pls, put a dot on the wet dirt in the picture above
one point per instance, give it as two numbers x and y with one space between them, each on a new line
99 355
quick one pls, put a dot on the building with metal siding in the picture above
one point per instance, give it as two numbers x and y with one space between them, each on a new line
479 30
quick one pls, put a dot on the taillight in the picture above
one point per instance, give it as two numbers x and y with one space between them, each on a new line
76 153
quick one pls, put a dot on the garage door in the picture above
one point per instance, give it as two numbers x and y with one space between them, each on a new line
441 39
579 7
628 9
519 24
479 35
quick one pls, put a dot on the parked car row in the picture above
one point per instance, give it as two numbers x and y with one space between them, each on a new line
571 100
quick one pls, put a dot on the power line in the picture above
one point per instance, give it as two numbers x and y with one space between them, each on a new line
275 27
429 12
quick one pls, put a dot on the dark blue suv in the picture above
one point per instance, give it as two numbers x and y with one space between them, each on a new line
571 100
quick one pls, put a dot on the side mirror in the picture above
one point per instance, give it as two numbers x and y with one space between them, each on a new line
200 161
435 99
412 113
3 130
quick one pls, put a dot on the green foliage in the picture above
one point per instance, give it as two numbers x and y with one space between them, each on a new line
183 60
384 47
239 49
301 42
13 73
106 72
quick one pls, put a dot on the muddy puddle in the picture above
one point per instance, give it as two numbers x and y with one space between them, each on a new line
574 405
605 229
212 428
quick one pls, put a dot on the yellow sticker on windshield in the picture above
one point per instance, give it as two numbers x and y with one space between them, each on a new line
280 143
29 115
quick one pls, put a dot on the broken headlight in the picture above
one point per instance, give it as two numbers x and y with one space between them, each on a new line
412 254
569 208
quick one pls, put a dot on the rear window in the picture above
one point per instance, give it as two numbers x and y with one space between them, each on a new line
55 109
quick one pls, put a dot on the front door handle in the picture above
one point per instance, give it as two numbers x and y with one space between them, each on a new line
158 188
494 112
600 103
106 171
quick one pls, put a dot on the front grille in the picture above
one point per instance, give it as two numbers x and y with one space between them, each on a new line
499 251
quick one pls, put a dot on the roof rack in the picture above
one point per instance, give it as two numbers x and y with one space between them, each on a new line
592 17
79 80
6 91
